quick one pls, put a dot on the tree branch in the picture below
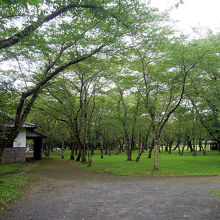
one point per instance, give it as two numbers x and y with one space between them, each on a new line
58 70
31 28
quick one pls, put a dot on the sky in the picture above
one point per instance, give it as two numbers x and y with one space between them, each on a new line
193 13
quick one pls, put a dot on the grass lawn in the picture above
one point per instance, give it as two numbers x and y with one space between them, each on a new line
11 184
169 164
11 167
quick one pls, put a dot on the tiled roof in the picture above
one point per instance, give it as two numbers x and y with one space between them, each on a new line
25 124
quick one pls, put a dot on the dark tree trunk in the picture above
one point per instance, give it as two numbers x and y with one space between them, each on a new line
194 148
117 151
78 155
183 148
132 143
170 146
63 149
92 149
203 149
156 141
106 148
76 149
129 154
89 162
200 145
83 154
177 144
139 147
101 151
46 149
121 148
89 147
151 149
72 151
141 152
189 145
139 142
144 147
109 151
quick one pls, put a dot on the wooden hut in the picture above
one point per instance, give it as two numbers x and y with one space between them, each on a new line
16 152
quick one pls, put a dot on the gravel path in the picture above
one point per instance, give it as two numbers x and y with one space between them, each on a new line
67 192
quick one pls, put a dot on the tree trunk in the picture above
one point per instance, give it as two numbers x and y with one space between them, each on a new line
109 151
151 149
63 149
92 149
117 151
101 151
200 145
47 150
76 149
83 154
144 147
179 152
141 152
183 149
170 147
106 148
129 154
132 143
194 148
89 155
203 148
79 154
189 145
72 151
89 162
139 155
83 149
139 143
156 154
101 148
177 144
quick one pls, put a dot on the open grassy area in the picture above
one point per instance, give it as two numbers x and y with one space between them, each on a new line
8 168
169 164
11 184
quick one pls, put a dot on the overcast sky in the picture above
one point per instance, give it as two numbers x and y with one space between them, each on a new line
193 13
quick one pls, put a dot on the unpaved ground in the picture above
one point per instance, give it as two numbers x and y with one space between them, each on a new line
67 192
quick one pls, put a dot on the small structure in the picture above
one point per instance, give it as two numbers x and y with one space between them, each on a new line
213 145
16 153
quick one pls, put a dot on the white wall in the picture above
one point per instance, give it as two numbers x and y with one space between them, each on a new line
20 140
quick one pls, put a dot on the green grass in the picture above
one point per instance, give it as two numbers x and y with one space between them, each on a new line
11 185
169 164
7 168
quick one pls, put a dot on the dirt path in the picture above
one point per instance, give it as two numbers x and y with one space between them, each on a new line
67 192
